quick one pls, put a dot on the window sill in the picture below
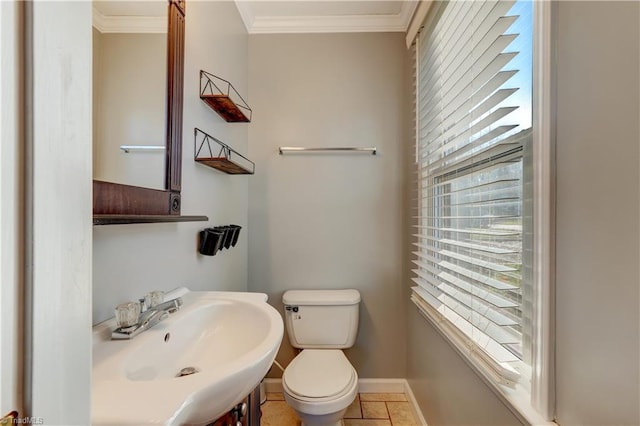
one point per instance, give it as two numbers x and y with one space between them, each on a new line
515 397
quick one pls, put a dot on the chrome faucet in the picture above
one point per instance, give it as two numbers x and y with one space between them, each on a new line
147 319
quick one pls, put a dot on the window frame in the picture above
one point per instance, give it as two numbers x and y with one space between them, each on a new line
534 405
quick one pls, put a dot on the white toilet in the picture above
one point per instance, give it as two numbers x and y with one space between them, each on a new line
320 383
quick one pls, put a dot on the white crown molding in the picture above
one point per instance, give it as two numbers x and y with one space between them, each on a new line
129 24
326 24
246 13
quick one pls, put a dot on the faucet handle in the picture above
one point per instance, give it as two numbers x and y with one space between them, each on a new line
127 314
153 298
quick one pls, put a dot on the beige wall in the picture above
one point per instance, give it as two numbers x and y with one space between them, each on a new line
129 86
130 260
331 220
597 213
597 286
447 390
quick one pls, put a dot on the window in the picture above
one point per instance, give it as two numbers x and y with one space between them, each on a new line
474 274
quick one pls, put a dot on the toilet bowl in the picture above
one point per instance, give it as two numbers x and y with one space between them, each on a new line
319 385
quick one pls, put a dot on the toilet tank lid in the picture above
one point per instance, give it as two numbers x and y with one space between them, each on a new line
321 297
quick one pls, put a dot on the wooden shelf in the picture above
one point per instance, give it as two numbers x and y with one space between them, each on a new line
122 219
223 98
221 157
226 108
225 165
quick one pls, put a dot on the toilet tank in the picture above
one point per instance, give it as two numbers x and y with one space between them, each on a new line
321 318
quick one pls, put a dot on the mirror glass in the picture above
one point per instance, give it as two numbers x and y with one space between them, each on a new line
129 92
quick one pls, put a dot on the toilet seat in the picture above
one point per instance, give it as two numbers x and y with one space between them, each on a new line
318 375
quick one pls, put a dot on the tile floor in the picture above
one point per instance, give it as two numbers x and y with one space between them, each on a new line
368 409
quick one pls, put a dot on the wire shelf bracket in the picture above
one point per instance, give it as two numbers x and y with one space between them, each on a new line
226 159
223 98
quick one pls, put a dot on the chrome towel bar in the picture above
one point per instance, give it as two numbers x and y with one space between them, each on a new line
129 148
295 149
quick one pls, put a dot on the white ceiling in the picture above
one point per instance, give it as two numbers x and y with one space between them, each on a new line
268 16
141 16
323 8
308 16
131 8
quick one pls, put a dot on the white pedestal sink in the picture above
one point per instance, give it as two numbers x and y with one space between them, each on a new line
229 338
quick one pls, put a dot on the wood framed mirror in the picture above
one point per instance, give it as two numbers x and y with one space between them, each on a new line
116 203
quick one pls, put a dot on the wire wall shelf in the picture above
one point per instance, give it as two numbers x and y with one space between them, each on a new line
221 156
223 98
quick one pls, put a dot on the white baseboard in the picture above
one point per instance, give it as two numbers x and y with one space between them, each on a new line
417 413
381 385
369 386
273 385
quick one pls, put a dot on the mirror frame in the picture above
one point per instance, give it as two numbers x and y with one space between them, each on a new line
113 202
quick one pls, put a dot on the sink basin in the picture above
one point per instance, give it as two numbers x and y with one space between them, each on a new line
190 368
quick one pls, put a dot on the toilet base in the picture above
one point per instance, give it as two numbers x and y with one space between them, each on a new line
339 423
319 410
331 419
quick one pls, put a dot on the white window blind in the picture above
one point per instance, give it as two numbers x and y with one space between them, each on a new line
474 132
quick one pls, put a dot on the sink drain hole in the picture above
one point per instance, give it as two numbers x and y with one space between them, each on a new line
167 337
187 371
